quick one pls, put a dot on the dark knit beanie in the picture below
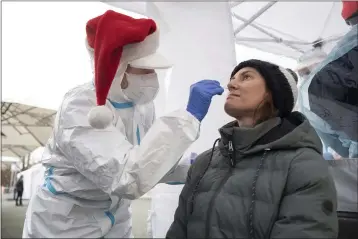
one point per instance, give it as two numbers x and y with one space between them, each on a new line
280 81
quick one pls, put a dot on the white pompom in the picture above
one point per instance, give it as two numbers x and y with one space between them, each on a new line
100 117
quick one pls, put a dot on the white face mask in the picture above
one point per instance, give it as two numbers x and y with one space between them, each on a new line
141 89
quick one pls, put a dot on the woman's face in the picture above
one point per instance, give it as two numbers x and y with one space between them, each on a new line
247 90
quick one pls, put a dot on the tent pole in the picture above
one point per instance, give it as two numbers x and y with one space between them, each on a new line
256 15
235 3
280 40
265 32
16 114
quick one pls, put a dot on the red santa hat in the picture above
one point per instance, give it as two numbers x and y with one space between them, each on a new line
350 8
118 40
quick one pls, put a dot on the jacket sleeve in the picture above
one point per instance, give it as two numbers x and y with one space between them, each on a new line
114 165
308 207
178 227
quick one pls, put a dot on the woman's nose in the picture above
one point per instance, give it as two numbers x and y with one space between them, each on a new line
231 85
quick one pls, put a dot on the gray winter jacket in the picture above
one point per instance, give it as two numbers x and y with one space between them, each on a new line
264 182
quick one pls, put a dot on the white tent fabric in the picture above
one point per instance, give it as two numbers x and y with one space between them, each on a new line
9 159
36 155
288 28
276 27
193 61
282 27
345 177
33 177
164 202
42 82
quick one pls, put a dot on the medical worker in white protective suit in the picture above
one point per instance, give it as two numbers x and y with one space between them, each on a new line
101 157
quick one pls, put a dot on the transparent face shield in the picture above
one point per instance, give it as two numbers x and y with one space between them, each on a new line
154 88
304 73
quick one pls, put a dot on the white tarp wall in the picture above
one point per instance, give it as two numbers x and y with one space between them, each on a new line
194 44
36 155
33 177
164 203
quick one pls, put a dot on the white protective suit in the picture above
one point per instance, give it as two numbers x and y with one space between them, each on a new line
93 174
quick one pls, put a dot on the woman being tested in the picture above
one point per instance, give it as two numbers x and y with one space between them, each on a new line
267 177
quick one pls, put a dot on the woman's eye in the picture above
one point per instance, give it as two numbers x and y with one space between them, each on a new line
247 77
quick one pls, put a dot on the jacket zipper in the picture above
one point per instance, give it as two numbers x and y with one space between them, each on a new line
231 154
223 181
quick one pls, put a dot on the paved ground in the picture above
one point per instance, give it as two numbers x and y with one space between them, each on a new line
12 217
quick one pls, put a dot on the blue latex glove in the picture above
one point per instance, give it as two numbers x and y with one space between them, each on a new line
200 97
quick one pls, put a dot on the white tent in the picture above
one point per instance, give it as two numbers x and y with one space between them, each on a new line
286 28
24 128
36 155
164 202
33 177
275 27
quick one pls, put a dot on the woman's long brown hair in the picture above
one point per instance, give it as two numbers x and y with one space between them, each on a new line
265 110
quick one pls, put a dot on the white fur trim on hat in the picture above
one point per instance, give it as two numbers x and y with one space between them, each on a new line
292 82
152 62
100 117
144 54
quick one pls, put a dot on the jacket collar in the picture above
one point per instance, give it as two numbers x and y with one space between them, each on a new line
244 138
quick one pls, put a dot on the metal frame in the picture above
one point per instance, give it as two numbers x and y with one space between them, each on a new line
253 17
272 37
9 117
235 4
296 45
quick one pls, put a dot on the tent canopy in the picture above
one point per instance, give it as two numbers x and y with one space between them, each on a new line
284 28
24 128
287 28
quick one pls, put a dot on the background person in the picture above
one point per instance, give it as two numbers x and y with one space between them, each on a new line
19 189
